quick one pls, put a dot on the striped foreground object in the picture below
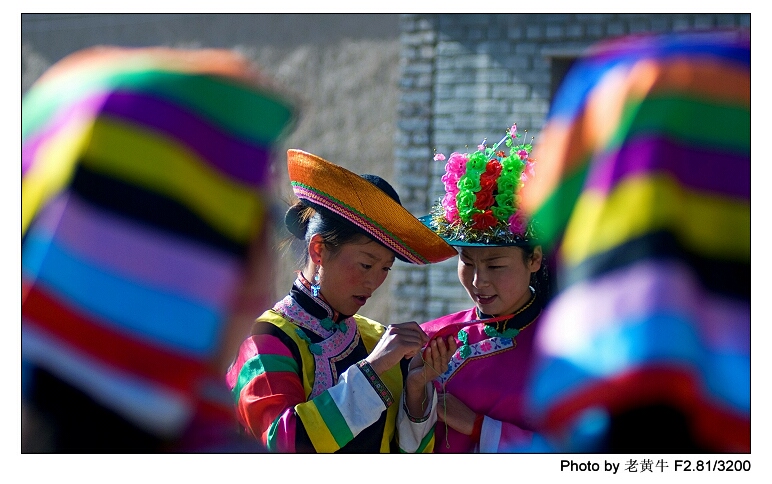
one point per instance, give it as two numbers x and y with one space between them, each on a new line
644 195
144 183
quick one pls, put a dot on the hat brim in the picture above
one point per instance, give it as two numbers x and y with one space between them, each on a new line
427 221
348 195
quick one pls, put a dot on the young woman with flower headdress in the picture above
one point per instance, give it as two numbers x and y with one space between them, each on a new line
314 376
502 270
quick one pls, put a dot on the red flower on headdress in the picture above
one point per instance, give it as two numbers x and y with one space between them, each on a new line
484 198
483 220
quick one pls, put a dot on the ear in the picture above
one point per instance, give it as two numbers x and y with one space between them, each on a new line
316 249
536 258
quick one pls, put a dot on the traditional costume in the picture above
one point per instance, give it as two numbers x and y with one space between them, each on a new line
300 381
645 196
487 372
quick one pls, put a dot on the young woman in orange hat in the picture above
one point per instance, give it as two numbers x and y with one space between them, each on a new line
315 376
502 269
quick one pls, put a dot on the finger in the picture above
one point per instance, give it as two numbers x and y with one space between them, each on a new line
442 349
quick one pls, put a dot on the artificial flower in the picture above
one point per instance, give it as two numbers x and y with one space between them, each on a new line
483 220
484 199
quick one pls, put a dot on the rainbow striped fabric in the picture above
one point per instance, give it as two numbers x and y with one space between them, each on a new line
643 194
144 182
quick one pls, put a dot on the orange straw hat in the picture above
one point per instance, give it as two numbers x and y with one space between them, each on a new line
368 202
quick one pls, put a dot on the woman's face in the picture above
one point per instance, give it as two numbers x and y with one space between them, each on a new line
349 277
496 278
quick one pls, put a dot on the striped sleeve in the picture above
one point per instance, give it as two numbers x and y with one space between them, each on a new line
338 414
266 386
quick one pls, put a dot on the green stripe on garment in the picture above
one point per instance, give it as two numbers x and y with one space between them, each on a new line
224 101
427 444
553 215
257 365
688 120
333 419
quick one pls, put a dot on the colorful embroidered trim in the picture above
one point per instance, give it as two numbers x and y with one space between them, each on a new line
414 419
335 347
485 347
376 382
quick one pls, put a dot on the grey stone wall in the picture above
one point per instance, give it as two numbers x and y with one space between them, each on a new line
343 69
468 77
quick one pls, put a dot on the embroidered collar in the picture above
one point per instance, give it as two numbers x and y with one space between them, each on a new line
511 327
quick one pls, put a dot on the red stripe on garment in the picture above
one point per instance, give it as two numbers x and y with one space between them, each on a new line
715 426
97 340
266 397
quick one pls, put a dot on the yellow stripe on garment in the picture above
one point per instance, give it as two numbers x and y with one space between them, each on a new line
371 332
307 359
646 204
158 163
52 168
318 431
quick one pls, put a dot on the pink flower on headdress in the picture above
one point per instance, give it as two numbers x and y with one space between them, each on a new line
513 131
481 147
452 216
449 205
456 165
439 157
517 223
523 154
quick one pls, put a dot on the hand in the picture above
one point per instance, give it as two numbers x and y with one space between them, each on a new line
432 362
455 413
426 366
403 340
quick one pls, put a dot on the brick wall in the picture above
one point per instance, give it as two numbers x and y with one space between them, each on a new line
467 77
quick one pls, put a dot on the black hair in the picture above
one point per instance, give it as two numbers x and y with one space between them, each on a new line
540 280
303 221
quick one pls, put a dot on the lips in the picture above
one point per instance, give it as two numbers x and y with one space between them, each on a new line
485 299
361 299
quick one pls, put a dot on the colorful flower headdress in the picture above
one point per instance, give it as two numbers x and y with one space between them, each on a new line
481 203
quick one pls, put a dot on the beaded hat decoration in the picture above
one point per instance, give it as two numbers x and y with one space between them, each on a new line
481 206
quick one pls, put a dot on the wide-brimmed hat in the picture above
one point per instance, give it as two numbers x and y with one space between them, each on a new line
481 205
360 201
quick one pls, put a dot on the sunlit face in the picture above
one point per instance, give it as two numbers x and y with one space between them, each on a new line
349 277
497 278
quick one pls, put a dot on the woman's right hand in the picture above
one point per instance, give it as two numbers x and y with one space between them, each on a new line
402 340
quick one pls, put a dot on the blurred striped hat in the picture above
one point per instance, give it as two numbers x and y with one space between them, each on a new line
144 181
644 193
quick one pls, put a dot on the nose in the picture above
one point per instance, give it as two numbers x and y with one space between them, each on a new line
479 278
373 281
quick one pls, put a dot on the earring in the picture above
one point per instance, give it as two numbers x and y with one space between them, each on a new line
315 286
